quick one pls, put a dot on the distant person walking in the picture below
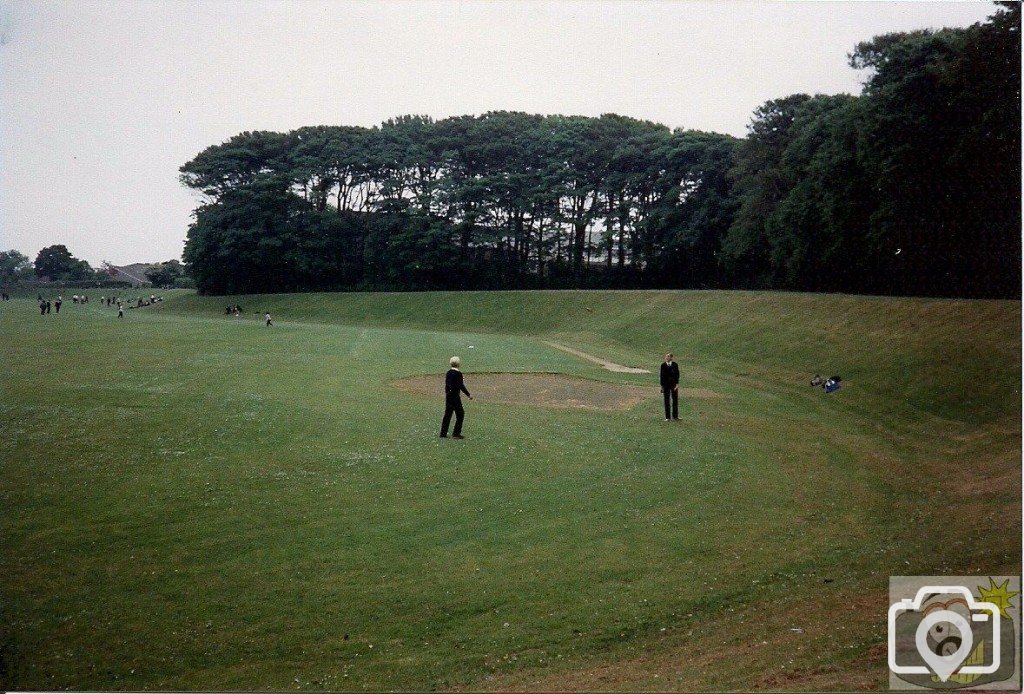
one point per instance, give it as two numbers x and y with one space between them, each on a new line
120 311
670 387
47 306
42 307
58 302
267 318
454 386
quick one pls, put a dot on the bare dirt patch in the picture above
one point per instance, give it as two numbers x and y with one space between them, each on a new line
549 390
546 390
610 365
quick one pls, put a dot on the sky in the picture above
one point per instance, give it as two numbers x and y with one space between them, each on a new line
101 102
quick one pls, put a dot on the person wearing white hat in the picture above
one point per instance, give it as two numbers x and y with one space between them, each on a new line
454 386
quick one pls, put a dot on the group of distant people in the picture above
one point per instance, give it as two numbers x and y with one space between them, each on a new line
140 302
47 306
236 311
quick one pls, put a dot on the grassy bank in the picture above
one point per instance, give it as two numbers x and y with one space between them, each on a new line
197 501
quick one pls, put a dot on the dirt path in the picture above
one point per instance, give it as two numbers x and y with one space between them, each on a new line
610 365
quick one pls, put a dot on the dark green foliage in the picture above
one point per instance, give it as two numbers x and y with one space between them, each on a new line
942 140
802 195
14 267
913 187
57 263
165 274
411 252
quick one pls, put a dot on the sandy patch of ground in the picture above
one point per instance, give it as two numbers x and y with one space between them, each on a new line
610 365
548 390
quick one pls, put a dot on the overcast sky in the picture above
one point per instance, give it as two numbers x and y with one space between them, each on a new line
101 102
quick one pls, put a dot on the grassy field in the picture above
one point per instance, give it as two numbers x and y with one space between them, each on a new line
197 501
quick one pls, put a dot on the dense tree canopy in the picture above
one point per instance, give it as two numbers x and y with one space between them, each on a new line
57 263
14 266
912 187
165 274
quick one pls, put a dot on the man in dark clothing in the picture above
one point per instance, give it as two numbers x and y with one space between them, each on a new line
47 306
670 387
42 307
453 387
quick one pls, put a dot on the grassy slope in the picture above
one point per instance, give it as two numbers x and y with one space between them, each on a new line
212 505
955 359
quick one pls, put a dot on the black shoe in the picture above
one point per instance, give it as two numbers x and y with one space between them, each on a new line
443 436
458 436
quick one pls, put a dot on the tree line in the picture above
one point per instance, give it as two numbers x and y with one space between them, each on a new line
911 187
57 264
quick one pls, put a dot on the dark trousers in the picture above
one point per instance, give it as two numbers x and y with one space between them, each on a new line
673 395
452 405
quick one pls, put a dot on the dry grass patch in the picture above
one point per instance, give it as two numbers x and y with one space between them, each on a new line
698 394
549 390
545 390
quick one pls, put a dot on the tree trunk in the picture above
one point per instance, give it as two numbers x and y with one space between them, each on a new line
579 228
540 251
623 216
467 230
590 242
610 229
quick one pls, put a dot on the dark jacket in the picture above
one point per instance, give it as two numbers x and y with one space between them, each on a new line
669 375
453 384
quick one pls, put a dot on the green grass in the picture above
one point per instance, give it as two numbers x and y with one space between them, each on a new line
196 501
